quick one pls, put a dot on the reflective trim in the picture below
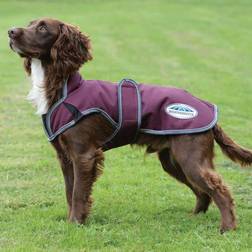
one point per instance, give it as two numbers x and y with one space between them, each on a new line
84 113
184 131
54 106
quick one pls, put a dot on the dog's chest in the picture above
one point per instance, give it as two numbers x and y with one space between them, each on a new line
37 95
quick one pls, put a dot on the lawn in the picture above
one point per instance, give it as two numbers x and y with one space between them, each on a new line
203 46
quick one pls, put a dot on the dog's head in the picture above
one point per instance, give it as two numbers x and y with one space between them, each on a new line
53 42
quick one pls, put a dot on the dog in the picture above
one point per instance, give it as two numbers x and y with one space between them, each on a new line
53 51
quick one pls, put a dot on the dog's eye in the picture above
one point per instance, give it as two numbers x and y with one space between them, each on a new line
42 28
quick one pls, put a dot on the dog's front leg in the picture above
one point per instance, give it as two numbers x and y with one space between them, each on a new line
86 170
68 173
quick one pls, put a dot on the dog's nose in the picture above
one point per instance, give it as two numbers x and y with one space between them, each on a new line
14 32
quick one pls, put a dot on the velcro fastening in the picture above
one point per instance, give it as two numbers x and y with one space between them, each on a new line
129 115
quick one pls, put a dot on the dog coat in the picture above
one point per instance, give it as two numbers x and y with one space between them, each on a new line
130 108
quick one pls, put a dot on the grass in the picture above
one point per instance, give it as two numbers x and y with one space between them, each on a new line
203 46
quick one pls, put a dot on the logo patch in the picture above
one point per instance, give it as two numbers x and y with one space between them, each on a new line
181 111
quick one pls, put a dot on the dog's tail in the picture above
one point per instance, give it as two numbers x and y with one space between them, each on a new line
231 149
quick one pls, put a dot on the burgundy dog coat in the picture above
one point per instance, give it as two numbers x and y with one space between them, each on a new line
130 109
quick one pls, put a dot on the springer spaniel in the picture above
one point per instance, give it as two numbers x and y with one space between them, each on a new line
53 51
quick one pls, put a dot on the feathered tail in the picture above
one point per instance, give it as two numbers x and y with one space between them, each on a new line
231 149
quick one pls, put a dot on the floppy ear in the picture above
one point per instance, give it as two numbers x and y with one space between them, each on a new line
71 50
27 65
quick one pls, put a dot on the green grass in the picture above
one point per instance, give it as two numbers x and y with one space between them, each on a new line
203 46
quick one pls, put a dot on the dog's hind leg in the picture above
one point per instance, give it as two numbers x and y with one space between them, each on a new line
195 157
203 200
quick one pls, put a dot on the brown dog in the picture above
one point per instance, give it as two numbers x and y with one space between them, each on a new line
53 50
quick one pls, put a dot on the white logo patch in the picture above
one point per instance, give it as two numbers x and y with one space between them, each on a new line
181 111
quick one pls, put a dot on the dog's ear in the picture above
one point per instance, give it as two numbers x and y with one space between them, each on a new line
71 49
27 65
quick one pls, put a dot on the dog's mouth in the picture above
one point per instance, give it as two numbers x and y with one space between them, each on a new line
16 49
22 53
